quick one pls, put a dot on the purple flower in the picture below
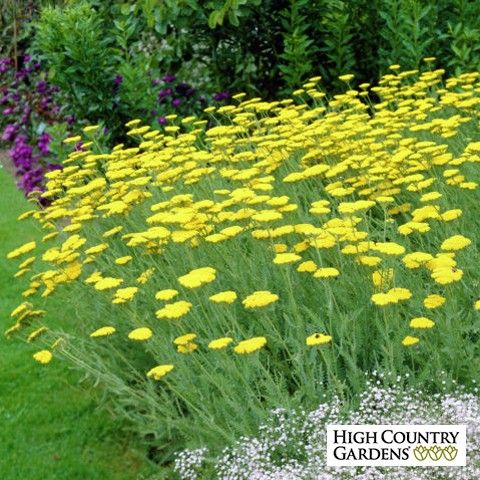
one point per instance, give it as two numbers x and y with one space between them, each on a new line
162 120
42 86
20 74
169 78
44 102
43 142
221 96
24 119
9 133
53 166
184 89
165 92
8 111
118 80
5 64
176 102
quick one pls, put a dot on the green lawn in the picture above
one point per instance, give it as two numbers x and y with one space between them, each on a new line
50 425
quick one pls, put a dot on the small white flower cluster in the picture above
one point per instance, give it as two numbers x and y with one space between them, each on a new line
189 462
292 446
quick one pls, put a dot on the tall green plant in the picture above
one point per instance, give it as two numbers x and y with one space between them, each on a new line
463 36
337 40
299 49
81 59
405 33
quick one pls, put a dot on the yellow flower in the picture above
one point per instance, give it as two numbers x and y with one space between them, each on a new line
228 296
91 128
123 260
434 301
112 231
94 277
477 305
27 262
352 207
232 231
267 216
416 259
22 308
450 215
14 328
27 247
220 343
408 341
318 339
442 260
174 310
166 294
368 260
250 345
184 339
103 332
75 139
427 197
133 123
308 266
123 295
145 276
258 299
160 371
388 248
410 227
456 242
142 333
400 293
43 356
347 77
394 295
326 272
282 258
108 282
57 343
187 347
421 322
22 272
36 334
280 248
96 249
446 275
198 277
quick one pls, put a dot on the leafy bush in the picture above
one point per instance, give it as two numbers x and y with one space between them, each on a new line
310 242
31 113
100 63
79 57
262 47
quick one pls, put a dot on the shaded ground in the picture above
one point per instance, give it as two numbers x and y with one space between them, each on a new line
5 162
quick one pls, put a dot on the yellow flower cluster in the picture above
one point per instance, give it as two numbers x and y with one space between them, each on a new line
333 194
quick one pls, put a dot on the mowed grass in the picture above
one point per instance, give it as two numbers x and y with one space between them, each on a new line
50 426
